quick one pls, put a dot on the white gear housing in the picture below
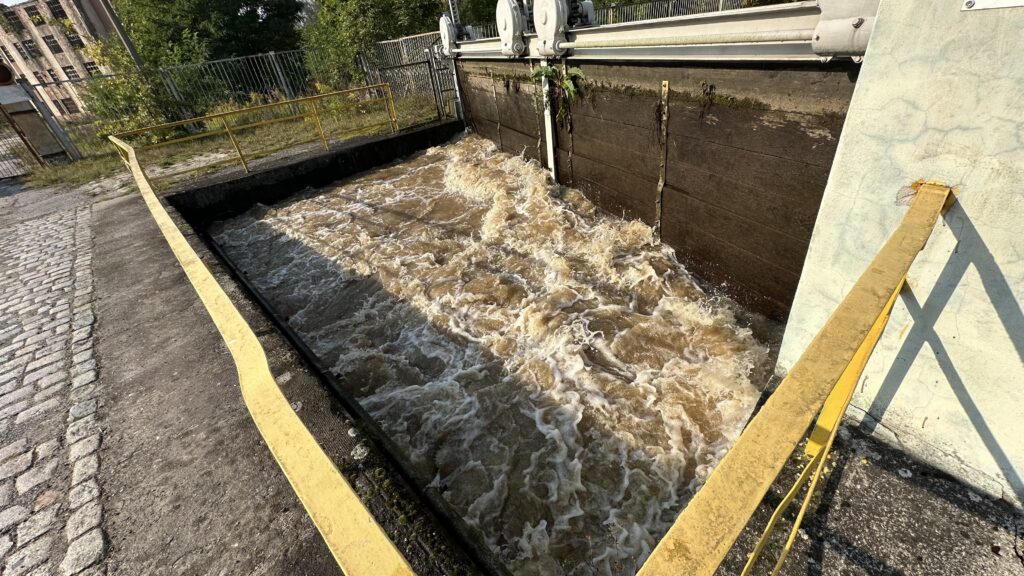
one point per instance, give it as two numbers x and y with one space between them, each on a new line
511 27
551 18
449 36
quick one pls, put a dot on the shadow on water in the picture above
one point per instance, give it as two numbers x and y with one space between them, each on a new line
971 250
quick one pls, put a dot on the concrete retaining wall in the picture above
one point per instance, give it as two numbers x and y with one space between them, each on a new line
745 169
940 97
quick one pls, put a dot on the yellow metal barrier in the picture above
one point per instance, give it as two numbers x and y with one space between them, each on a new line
821 382
358 543
309 108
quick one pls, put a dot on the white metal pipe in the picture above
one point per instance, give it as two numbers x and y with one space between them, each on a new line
549 125
695 39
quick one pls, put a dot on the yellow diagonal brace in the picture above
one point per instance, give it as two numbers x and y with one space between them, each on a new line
706 530
357 542
824 433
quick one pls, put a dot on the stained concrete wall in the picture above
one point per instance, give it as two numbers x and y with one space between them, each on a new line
745 168
941 97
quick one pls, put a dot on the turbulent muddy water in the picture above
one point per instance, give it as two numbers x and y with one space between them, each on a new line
559 376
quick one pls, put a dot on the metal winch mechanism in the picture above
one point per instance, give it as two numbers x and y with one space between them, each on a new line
449 35
512 16
554 18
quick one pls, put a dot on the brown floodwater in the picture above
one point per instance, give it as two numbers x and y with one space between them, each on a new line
560 376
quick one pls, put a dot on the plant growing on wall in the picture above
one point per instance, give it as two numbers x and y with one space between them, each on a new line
63 24
566 86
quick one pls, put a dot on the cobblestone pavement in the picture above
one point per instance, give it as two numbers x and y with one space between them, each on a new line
50 510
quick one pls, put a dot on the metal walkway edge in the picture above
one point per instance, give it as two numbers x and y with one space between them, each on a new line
357 542
708 527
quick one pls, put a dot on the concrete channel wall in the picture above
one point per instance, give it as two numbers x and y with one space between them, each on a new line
747 159
940 97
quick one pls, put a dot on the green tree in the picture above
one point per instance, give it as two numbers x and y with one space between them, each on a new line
170 32
342 29
476 11
124 101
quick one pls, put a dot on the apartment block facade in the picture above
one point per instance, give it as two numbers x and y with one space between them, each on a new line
45 42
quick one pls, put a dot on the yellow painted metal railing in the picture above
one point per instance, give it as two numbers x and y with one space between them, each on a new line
820 383
358 543
311 110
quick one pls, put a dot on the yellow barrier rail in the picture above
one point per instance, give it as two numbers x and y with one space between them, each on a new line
357 542
311 109
820 383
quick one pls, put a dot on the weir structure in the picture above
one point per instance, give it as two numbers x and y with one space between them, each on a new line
945 270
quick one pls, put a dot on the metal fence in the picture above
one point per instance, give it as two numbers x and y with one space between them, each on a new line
174 151
403 50
12 152
652 9
282 75
409 65
628 12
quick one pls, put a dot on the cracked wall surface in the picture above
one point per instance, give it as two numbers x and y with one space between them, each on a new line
940 97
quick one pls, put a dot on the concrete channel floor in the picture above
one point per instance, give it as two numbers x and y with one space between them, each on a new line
125 447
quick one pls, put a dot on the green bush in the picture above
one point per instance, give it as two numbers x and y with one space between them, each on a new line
125 101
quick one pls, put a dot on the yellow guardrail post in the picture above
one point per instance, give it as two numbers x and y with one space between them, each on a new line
319 126
231 136
357 542
391 108
823 378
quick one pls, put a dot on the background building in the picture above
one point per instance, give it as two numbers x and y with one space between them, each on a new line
45 42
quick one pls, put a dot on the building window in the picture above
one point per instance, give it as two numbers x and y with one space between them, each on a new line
31 48
71 73
56 9
33 14
52 44
14 24
75 40
21 51
92 69
39 77
59 107
70 105
53 75
7 53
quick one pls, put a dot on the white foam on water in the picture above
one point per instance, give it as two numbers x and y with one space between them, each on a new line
560 375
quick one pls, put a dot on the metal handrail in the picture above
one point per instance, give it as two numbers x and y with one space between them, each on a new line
312 111
218 115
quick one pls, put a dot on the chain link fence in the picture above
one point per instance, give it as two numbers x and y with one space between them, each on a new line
619 13
115 103
650 10
13 154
